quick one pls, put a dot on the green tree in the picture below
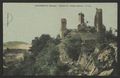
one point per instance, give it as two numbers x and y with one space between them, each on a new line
39 43
73 46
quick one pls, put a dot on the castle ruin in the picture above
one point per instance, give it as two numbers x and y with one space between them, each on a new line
96 33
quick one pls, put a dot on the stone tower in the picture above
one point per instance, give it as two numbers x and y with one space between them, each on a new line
81 18
98 22
63 27
81 25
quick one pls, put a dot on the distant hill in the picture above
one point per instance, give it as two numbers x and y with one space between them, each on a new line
16 45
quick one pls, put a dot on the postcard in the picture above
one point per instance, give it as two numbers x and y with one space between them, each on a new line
78 39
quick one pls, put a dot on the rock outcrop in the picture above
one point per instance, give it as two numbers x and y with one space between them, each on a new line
100 62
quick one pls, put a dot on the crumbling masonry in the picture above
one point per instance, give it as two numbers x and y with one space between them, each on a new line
98 30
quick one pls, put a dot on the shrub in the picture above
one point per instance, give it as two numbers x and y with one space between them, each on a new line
73 46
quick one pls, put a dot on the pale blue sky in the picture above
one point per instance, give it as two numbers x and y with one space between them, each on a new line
33 19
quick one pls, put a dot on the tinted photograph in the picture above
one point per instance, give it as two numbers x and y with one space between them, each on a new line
73 39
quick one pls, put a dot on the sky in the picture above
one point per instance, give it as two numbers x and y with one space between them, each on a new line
24 21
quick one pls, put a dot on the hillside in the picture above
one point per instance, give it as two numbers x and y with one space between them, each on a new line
67 57
16 45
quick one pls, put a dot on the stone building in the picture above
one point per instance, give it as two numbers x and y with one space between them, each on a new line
63 27
87 33
98 23
82 25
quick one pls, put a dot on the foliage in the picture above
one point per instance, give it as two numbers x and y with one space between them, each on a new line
46 61
110 37
43 61
45 56
39 43
73 46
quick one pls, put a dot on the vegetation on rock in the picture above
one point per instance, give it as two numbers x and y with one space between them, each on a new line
45 58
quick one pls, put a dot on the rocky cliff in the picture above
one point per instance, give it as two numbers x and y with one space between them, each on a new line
100 61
